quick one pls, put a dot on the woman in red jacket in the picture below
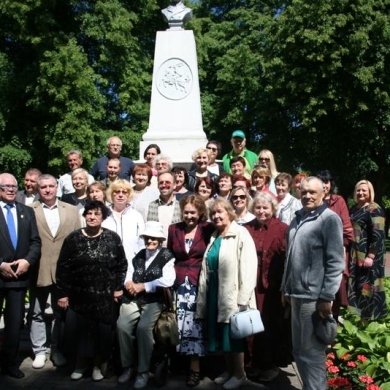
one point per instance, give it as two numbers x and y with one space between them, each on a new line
188 241
268 233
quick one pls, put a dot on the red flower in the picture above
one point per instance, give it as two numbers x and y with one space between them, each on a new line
345 357
331 356
361 358
366 379
329 363
338 382
334 370
373 387
351 364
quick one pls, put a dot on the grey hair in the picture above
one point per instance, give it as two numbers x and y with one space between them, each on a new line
45 176
74 151
263 196
164 157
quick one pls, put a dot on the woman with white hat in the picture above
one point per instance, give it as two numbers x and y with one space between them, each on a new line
142 304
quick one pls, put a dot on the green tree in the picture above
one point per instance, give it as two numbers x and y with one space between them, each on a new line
327 63
78 72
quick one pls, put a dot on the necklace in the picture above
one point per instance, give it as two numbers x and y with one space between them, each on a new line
93 246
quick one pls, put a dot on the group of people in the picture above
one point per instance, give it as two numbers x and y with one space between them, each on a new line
222 236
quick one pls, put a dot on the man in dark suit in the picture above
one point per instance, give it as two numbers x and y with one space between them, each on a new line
29 194
114 147
20 249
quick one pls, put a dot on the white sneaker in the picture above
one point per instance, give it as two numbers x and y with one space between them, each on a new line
97 374
39 361
126 375
141 381
234 383
77 374
221 379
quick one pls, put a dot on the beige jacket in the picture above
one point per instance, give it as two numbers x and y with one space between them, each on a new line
237 273
51 246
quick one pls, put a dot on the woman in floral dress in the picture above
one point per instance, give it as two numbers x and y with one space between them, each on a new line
366 292
188 240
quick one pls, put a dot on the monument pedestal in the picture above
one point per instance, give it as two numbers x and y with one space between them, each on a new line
175 121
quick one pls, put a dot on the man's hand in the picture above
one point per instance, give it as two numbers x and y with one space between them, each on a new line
324 308
285 300
6 270
23 266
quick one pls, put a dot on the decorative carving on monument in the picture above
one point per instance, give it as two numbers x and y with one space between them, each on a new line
174 79
177 15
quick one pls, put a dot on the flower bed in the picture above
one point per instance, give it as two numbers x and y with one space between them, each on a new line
360 358
349 373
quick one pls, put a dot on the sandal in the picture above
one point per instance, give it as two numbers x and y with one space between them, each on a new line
193 378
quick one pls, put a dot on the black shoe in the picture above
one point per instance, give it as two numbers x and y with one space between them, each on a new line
12 371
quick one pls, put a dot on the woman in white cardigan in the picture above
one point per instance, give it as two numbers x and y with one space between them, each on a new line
226 285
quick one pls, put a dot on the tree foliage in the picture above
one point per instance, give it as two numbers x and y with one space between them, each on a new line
75 73
307 79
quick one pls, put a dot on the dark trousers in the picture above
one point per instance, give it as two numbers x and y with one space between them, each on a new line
13 320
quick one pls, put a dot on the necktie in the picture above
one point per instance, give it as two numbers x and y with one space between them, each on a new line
11 225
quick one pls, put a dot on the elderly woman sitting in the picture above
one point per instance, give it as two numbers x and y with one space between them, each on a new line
142 304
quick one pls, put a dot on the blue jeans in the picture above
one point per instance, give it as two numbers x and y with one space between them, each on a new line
309 354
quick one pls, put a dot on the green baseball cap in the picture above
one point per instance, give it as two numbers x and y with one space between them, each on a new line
238 133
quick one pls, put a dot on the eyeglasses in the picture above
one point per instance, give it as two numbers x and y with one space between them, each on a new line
213 149
147 238
116 145
235 197
8 187
124 192
263 159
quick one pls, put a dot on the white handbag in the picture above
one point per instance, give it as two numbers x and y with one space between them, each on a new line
245 323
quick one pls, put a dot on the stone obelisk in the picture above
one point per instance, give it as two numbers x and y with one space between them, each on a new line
175 121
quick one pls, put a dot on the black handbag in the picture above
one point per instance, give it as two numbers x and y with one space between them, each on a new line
166 331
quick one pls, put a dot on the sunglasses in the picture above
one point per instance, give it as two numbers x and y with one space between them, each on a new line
213 149
124 192
263 159
235 197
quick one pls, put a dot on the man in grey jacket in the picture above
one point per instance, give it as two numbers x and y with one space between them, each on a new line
312 276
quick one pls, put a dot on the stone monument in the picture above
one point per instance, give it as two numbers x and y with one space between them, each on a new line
175 120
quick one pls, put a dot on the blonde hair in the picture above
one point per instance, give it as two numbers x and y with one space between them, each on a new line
370 189
80 170
272 165
222 202
117 185
260 171
199 151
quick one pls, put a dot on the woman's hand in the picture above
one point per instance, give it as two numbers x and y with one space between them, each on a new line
368 262
63 303
134 288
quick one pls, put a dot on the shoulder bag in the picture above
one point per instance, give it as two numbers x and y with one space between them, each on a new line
166 331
